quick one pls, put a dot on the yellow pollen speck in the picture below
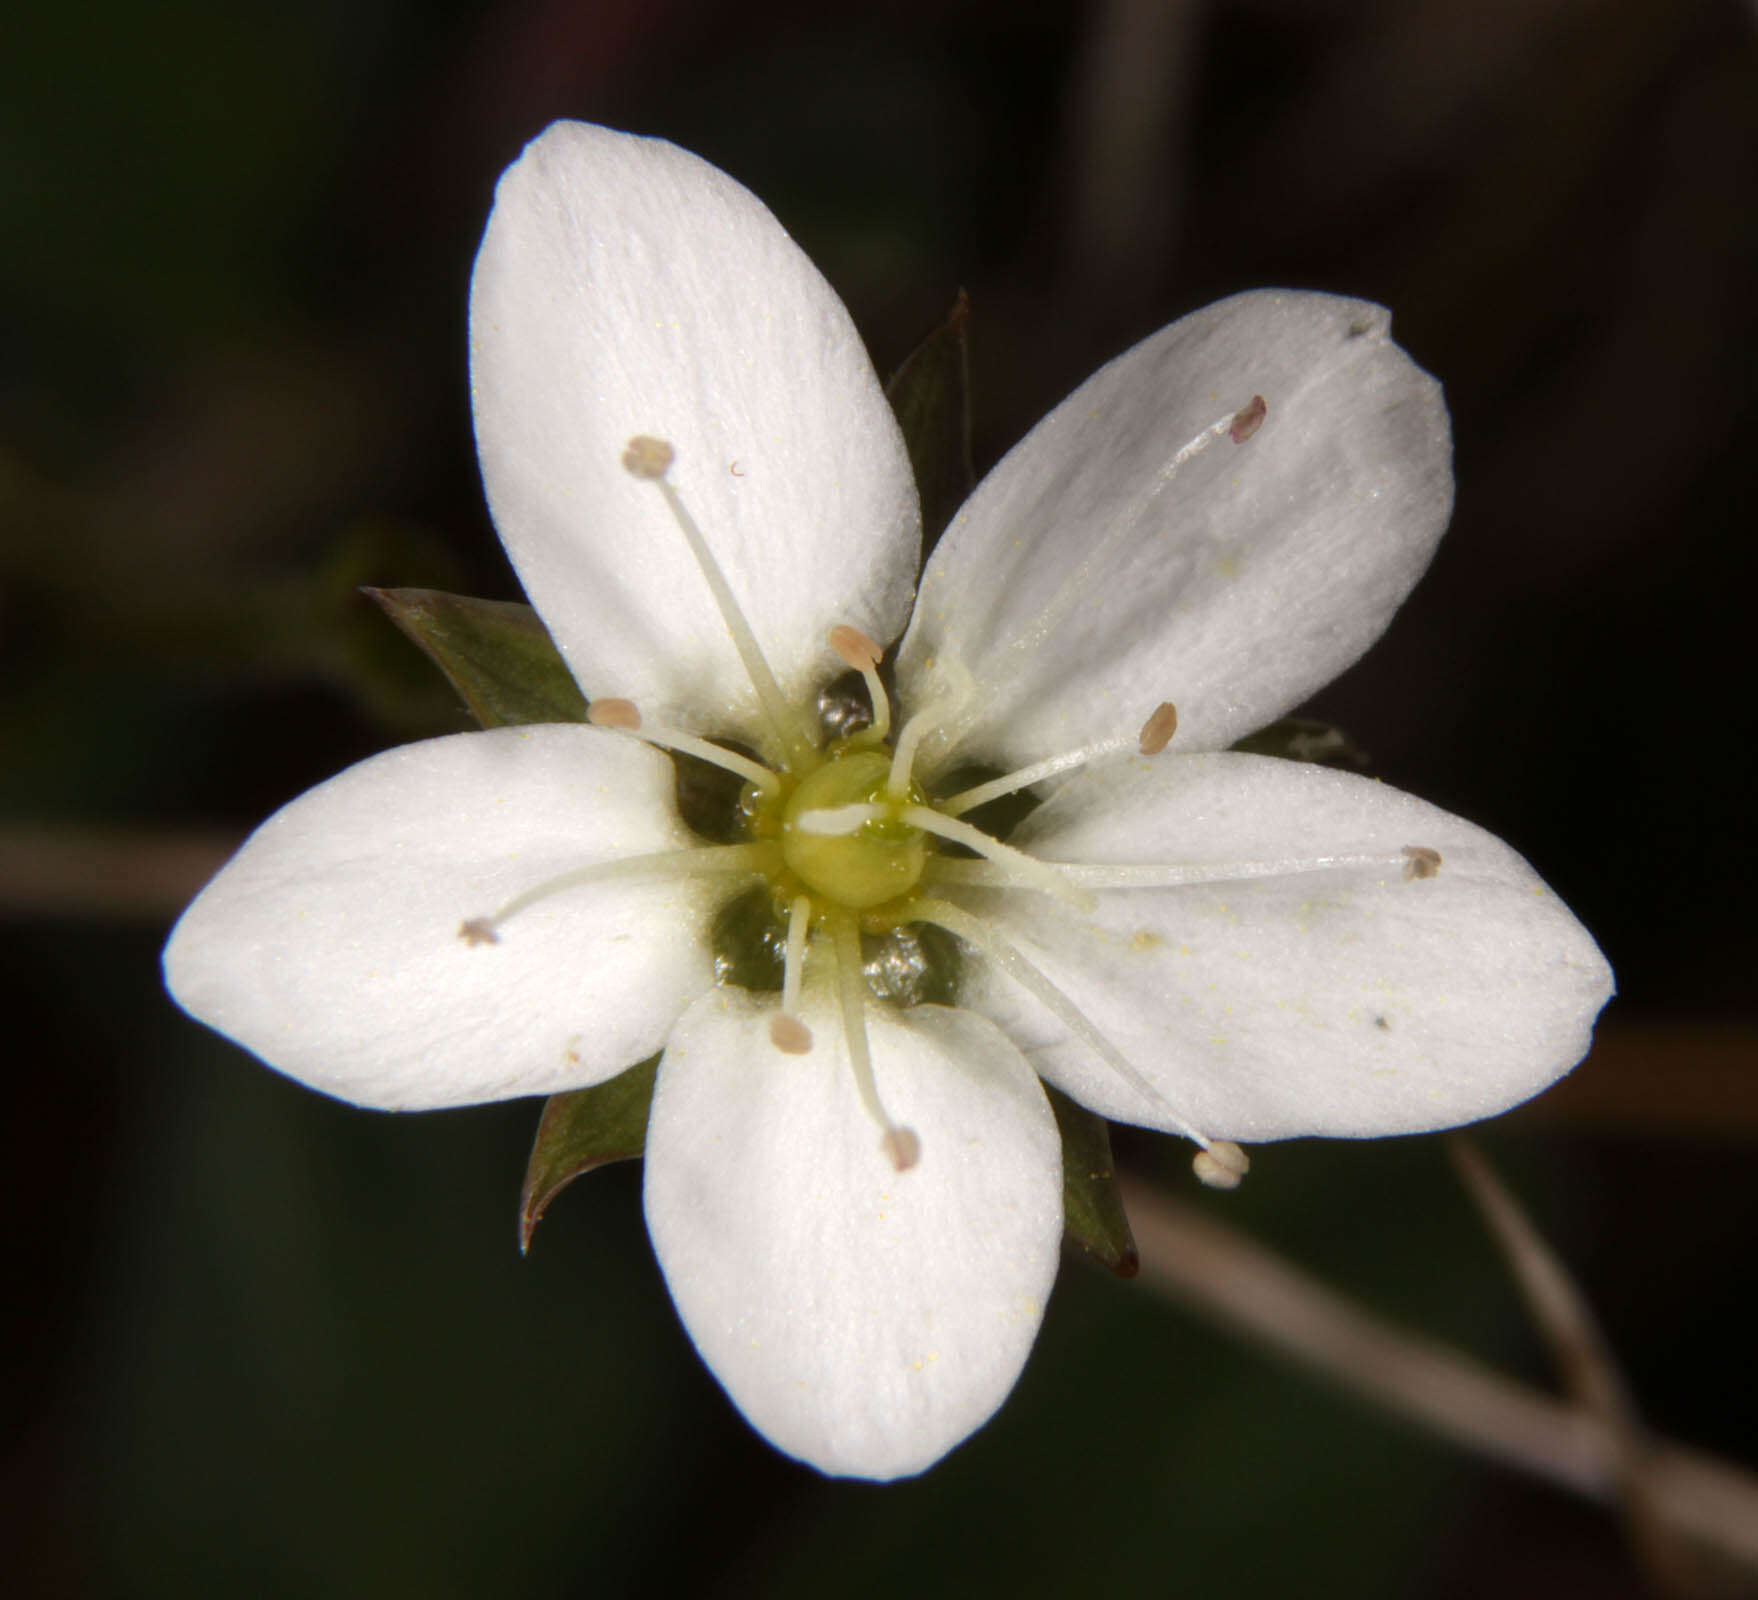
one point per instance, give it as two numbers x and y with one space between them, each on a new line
1146 939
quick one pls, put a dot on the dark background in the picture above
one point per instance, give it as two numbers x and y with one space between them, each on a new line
267 1344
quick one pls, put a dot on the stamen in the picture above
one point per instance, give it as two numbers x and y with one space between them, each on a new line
1156 733
836 822
623 716
699 861
1073 592
1222 1165
903 757
789 1035
786 1030
610 712
1248 419
859 652
983 938
1420 862
1017 868
900 1144
855 648
1177 875
649 460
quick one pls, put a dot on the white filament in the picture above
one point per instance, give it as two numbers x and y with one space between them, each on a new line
787 727
753 772
1163 874
859 652
786 1028
699 861
898 1142
1014 867
1008 783
984 939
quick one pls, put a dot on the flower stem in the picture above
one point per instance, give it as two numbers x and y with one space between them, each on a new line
1222 1274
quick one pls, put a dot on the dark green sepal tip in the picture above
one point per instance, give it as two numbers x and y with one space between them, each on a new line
496 653
583 1129
1092 1205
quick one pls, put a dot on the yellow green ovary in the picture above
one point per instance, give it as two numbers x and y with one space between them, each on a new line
880 860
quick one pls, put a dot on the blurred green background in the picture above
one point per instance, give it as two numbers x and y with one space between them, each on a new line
267 1344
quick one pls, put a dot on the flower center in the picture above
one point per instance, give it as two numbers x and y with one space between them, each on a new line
840 842
843 832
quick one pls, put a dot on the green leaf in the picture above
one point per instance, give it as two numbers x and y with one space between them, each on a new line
496 654
1092 1207
580 1130
931 395
1302 739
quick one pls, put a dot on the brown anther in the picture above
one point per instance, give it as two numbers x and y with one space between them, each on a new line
613 713
1157 731
647 457
478 930
1222 1165
788 1034
854 647
902 1147
1248 419
1420 862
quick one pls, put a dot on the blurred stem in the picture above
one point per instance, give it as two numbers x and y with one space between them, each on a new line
1222 1274
1586 1364
106 874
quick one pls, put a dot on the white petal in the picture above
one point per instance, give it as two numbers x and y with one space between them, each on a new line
864 1320
1347 1001
1087 580
626 287
330 945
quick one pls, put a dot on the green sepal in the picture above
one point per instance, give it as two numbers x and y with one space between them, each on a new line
1092 1205
1302 739
495 653
931 395
583 1129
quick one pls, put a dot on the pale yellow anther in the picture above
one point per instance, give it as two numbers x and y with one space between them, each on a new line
647 457
1157 731
902 1147
1420 862
1222 1165
610 712
478 930
788 1034
1248 419
855 648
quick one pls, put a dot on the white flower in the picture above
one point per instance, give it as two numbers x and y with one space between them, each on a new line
856 1205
